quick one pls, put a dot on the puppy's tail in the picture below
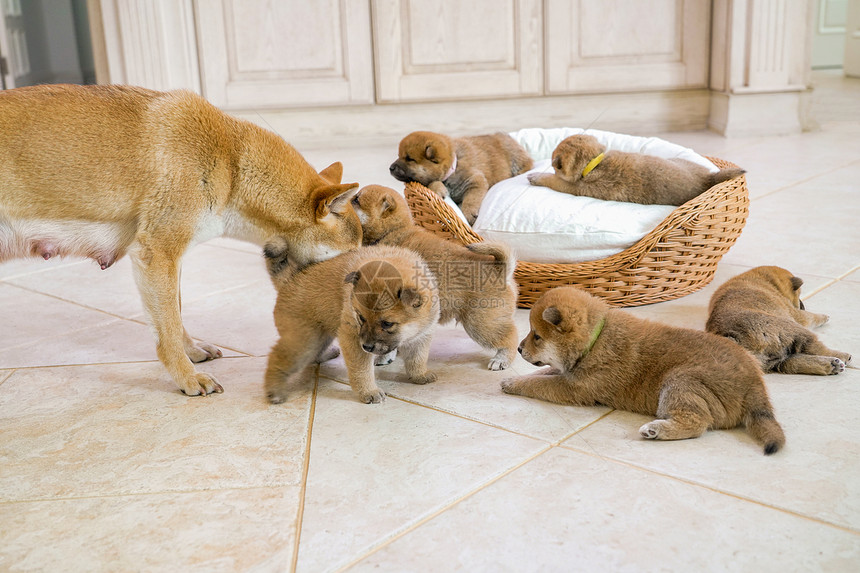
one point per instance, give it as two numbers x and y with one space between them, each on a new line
725 175
499 251
760 422
276 251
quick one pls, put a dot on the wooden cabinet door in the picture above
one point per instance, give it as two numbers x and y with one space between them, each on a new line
284 53
455 49
626 45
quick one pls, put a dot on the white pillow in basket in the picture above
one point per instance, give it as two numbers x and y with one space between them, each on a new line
545 226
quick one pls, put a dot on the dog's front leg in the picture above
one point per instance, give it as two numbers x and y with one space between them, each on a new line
473 197
359 366
415 355
157 277
546 385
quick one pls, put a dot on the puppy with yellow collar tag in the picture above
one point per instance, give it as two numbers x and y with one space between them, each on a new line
464 168
104 171
584 167
692 381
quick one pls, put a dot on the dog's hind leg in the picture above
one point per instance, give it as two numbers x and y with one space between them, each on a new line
289 359
681 413
809 364
500 336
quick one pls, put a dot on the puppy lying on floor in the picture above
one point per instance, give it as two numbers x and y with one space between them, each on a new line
476 285
761 310
464 168
374 300
584 167
692 381
104 171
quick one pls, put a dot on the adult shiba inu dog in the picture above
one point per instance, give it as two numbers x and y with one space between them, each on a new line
761 310
104 171
476 283
374 300
692 381
464 168
584 167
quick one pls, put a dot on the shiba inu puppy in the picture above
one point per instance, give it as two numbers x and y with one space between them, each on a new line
104 171
464 168
476 284
374 300
761 310
584 167
692 381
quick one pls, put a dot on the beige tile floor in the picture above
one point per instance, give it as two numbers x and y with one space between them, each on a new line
105 466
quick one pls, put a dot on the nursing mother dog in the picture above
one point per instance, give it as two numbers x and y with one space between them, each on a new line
104 171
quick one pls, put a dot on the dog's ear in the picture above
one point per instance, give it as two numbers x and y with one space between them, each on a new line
796 283
552 315
333 173
352 278
556 162
410 297
333 198
276 248
430 152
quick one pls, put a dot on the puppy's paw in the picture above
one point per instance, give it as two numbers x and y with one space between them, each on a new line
373 397
202 351
438 188
651 430
536 178
426 378
276 396
836 366
385 359
201 384
509 386
499 363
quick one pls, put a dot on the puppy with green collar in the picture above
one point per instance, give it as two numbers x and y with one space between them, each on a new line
691 381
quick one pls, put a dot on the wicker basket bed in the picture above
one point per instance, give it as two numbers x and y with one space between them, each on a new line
676 258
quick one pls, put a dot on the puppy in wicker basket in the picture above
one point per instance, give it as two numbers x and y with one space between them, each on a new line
761 310
464 168
690 380
476 285
584 167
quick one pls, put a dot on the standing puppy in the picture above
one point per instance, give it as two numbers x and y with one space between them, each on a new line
761 310
584 167
101 171
374 300
476 283
692 381
464 168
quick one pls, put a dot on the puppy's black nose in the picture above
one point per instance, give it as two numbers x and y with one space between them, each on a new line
367 347
520 348
392 168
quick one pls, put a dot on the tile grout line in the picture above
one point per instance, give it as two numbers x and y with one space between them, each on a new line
722 492
810 178
8 375
394 537
829 284
306 463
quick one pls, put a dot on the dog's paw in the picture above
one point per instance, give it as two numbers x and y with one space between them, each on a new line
201 384
328 354
385 359
202 351
276 397
651 430
836 366
498 363
426 378
509 386
438 188
373 397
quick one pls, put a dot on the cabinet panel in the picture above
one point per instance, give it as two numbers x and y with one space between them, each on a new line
260 53
616 45
450 49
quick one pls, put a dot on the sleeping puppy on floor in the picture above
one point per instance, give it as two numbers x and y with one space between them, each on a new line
692 381
584 167
476 285
464 168
761 310
374 300
105 171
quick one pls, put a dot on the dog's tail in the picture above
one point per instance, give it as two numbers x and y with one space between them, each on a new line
760 422
499 251
725 175
276 251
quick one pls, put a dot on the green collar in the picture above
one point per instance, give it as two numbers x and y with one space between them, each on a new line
595 334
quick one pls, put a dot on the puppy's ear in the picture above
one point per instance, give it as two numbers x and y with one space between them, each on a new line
333 173
333 198
796 283
552 315
556 162
276 248
410 297
352 278
430 152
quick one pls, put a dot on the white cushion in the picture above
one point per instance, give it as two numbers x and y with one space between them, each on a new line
545 226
